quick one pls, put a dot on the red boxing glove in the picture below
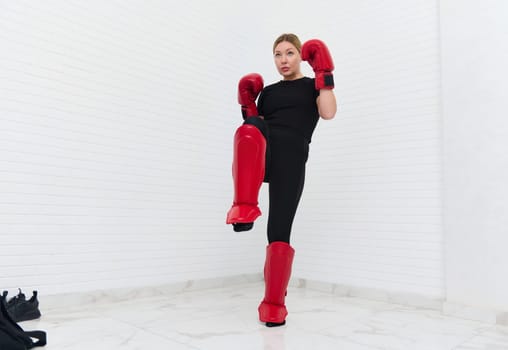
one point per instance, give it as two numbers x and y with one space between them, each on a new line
249 88
316 53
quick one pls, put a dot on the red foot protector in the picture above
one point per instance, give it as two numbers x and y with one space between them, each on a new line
279 259
248 173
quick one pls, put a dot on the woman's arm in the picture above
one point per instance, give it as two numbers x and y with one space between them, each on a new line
326 103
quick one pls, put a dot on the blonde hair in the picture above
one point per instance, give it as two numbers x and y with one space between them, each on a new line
290 38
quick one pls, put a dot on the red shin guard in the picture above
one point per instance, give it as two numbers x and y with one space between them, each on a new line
248 174
279 259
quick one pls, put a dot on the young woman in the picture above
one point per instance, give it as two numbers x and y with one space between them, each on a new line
272 146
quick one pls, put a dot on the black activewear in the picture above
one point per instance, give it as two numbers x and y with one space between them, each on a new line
290 111
291 104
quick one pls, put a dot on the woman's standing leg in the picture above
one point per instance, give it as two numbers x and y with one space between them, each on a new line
287 175
289 154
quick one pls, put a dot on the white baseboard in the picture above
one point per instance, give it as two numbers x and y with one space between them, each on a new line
421 301
70 300
475 313
408 299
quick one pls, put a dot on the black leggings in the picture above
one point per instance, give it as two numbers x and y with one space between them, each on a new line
286 155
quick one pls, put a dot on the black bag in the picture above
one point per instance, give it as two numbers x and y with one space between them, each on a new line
13 337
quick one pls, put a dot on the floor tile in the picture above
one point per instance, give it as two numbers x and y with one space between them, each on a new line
226 318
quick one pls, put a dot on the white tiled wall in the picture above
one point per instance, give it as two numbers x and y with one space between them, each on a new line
116 130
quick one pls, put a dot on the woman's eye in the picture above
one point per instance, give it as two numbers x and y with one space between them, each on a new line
290 53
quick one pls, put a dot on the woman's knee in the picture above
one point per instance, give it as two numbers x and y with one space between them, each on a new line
258 123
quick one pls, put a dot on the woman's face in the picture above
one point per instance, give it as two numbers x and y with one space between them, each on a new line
287 60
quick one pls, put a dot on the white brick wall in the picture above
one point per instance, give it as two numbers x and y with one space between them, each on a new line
116 130
371 213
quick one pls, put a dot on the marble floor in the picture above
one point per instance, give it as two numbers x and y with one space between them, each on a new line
226 318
